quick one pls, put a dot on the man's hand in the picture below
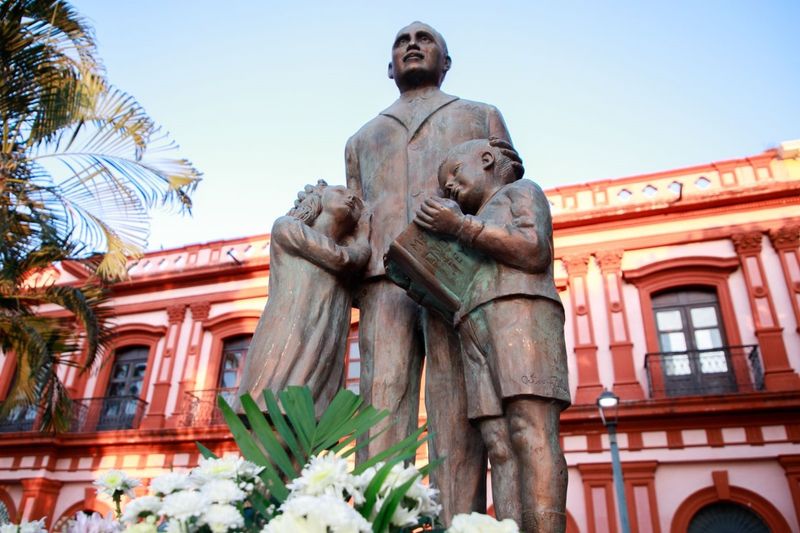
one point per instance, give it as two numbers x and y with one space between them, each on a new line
440 215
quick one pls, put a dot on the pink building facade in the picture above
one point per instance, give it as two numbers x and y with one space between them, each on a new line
682 294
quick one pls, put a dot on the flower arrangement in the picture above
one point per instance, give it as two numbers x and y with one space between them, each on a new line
37 526
295 476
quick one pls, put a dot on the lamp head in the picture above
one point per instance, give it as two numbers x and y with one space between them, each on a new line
607 399
608 402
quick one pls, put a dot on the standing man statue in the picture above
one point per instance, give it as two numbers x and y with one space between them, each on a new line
392 162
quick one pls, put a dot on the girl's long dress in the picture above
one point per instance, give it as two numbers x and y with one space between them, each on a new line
302 334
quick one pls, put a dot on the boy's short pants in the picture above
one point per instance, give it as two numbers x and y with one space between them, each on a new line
513 347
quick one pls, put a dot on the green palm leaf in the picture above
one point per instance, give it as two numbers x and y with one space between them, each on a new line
81 164
291 427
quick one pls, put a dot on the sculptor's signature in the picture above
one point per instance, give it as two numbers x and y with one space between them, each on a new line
530 379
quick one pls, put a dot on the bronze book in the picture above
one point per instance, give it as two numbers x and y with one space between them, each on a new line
435 270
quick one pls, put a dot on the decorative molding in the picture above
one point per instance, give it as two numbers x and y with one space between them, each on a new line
8 502
576 265
786 237
200 310
176 313
757 503
220 321
791 466
748 242
609 260
718 265
598 476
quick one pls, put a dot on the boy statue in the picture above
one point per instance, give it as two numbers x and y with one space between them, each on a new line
511 326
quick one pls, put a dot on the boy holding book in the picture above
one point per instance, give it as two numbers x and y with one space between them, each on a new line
511 326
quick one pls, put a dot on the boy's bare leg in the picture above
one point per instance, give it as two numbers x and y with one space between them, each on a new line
543 469
505 469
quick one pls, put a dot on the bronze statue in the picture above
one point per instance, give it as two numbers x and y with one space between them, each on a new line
392 163
300 339
511 326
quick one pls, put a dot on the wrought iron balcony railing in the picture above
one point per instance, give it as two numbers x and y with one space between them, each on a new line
19 418
88 415
722 370
108 413
200 407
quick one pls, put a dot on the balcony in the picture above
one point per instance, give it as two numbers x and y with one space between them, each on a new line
89 415
200 407
105 414
722 370
19 418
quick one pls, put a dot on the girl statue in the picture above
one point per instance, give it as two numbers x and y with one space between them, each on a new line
316 249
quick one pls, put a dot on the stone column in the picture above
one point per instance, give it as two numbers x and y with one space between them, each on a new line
163 367
599 498
199 312
778 375
626 386
39 496
791 466
589 387
786 241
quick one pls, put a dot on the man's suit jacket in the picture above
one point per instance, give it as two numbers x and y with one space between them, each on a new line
393 160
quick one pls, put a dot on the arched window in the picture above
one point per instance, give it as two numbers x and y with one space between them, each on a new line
122 404
234 350
690 326
722 517
20 417
695 358
5 516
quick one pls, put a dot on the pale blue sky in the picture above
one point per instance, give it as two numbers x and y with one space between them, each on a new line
262 96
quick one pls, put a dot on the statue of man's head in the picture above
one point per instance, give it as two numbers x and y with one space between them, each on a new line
419 57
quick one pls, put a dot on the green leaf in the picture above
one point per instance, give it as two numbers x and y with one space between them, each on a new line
259 502
405 447
262 430
336 421
205 452
374 486
365 442
251 451
384 518
299 407
286 433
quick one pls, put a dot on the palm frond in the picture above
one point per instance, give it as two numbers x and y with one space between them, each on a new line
81 163
291 427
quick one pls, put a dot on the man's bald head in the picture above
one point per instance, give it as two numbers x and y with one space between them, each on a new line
419 57
438 36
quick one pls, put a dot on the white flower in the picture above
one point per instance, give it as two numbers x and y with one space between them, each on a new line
183 504
322 513
221 518
116 481
222 491
148 526
231 467
326 474
37 526
175 526
170 482
295 524
419 500
140 508
403 516
94 523
481 523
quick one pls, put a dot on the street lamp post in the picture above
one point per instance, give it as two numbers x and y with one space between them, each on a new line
608 404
